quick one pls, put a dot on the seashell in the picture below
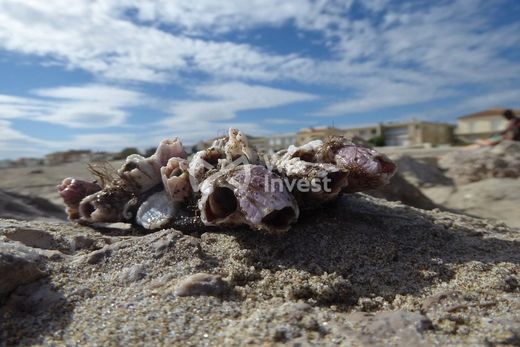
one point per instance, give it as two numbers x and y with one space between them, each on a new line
176 180
236 187
246 195
140 173
156 212
203 163
109 205
72 191
303 166
238 146
367 168
168 149
225 153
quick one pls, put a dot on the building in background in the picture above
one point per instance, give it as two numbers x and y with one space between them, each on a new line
416 132
74 156
410 133
272 143
318 133
481 125
366 133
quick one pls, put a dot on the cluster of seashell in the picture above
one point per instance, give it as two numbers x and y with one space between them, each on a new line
227 184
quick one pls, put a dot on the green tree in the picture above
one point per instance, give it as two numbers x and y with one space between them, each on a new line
126 152
377 141
149 152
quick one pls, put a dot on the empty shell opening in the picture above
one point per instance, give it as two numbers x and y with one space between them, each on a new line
221 203
279 218
129 166
305 156
86 209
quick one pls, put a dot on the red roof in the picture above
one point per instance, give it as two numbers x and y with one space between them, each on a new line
488 113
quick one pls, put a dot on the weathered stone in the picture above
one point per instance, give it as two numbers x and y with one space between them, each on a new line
133 273
378 328
18 265
399 189
202 284
420 172
32 237
465 166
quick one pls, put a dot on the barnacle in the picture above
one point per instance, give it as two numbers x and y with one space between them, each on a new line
176 180
228 183
247 195
304 164
72 191
366 167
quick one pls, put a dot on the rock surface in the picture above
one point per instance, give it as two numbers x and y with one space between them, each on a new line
19 206
362 272
421 172
465 166
494 198
399 189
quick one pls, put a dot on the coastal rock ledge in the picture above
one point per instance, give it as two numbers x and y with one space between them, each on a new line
361 272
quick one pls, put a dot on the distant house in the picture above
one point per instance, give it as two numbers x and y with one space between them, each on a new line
481 125
27 162
366 132
318 133
416 132
410 133
280 141
74 156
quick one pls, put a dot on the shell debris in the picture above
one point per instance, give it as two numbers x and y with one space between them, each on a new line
226 184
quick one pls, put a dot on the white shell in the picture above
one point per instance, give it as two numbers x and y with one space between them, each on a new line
175 178
156 212
143 174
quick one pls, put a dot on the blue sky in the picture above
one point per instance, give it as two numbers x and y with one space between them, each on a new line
108 74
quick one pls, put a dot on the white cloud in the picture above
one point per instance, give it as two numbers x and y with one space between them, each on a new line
383 95
221 102
217 107
14 142
88 106
100 39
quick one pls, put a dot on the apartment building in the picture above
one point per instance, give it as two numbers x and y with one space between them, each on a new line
482 124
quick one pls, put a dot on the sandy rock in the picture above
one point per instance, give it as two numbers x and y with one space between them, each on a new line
201 284
18 265
133 273
465 166
493 198
279 323
33 297
383 259
402 327
399 189
421 173
19 206
32 237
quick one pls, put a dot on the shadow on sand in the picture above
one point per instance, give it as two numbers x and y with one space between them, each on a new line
380 249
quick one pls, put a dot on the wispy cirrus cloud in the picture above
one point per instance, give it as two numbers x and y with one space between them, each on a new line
87 106
217 102
217 107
